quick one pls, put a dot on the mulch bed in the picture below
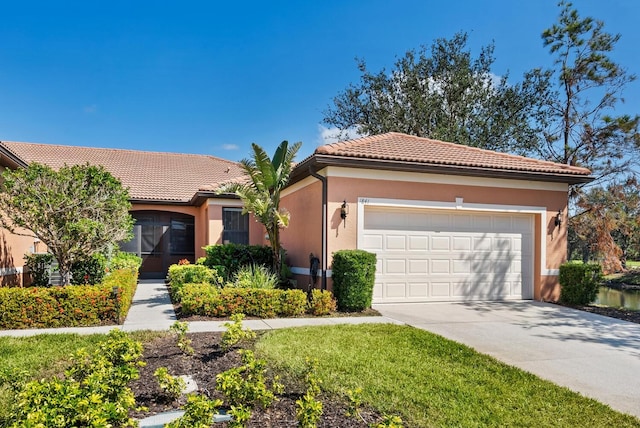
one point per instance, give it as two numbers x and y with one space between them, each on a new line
207 361
622 314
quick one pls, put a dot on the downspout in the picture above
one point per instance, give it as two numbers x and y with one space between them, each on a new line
323 180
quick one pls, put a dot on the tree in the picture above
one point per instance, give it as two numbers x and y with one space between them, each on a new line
448 95
76 211
260 194
582 129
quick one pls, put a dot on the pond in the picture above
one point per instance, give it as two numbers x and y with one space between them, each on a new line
629 299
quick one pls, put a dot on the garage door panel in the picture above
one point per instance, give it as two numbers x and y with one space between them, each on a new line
441 256
372 242
440 243
396 242
418 266
395 266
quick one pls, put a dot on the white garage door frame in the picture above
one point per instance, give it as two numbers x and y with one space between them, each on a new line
459 206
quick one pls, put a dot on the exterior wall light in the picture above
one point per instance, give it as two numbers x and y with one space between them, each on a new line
344 212
558 219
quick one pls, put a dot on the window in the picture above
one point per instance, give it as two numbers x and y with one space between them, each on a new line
235 226
182 236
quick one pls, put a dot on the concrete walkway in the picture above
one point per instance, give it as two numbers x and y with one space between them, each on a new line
595 355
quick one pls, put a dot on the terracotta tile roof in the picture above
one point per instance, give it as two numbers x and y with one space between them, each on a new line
152 176
396 146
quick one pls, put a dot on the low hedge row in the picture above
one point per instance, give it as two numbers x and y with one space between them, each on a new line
208 300
69 306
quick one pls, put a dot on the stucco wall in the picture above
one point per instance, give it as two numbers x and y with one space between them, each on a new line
12 251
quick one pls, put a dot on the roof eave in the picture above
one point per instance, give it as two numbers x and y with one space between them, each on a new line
13 160
202 195
319 161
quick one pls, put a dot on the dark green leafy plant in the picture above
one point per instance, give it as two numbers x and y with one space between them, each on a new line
229 258
39 267
579 283
353 279
89 271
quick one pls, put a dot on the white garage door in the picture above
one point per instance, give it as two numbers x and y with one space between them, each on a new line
435 255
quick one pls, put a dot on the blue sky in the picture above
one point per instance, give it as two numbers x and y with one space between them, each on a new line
212 77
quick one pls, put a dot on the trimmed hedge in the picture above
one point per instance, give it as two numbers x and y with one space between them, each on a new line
579 283
182 274
353 273
229 258
209 300
69 306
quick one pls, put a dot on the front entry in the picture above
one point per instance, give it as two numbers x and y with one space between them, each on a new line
161 239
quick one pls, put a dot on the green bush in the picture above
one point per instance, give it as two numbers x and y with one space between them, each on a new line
254 276
69 306
233 256
40 268
579 283
321 302
94 392
183 274
123 260
208 300
89 271
353 274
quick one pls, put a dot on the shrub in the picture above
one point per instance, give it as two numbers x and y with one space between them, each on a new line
173 386
308 408
89 271
94 391
233 256
247 385
182 274
579 283
321 302
235 333
40 268
353 274
254 276
123 260
207 300
68 306
198 412
179 328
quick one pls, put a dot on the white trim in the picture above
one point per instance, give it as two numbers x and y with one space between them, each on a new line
297 186
224 202
458 180
459 205
305 271
11 271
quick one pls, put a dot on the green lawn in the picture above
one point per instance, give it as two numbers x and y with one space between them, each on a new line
429 380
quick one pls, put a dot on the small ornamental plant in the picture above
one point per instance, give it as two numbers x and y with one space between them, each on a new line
173 386
184 343
308 408
235 333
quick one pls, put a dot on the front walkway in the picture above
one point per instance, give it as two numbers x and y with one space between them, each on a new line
594 355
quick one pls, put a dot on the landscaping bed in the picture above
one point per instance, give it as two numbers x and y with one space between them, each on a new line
207 361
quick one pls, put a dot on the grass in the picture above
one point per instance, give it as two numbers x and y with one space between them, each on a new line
41 356
430 381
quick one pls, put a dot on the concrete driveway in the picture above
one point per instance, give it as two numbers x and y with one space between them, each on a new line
596 356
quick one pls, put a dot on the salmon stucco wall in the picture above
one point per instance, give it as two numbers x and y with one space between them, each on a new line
12 251
304 234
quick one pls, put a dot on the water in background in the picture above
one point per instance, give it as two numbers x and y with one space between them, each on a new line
629 299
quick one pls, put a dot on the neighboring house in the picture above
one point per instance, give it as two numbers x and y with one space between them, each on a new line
173 201
447 222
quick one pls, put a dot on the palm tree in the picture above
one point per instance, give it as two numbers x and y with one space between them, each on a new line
260 194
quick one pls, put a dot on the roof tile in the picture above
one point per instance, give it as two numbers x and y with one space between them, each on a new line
396 146
170 177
